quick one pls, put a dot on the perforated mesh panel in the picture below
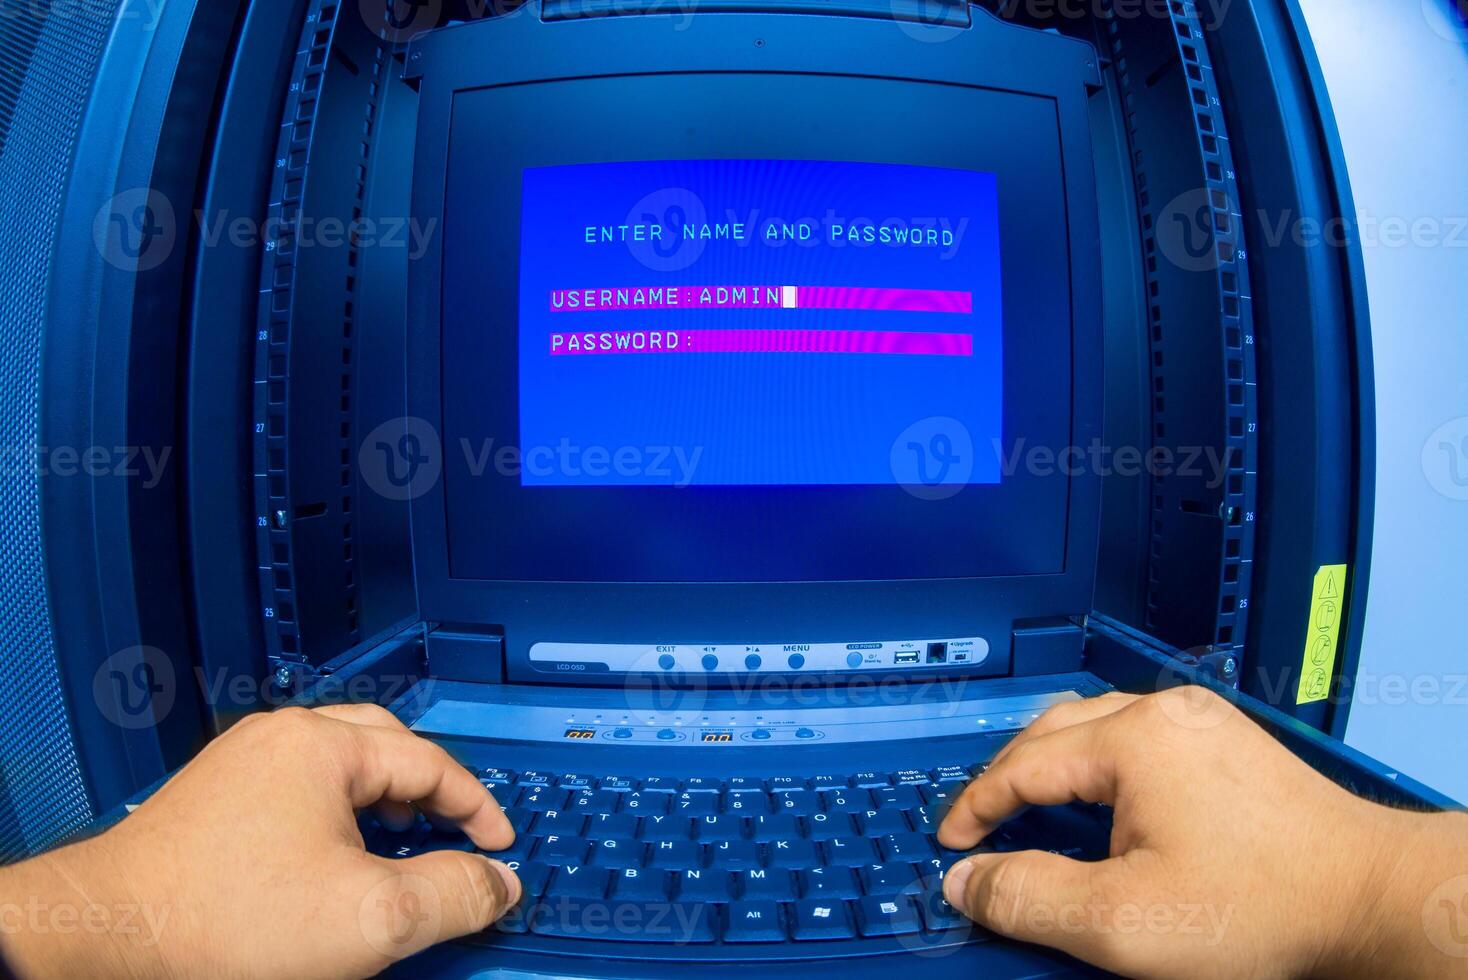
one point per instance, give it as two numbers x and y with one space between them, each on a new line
48 56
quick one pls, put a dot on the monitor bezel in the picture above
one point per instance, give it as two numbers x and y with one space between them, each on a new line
989 54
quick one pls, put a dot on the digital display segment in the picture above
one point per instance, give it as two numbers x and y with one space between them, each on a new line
580 734
759 323
716 737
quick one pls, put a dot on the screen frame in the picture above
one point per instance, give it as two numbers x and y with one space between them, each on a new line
990 55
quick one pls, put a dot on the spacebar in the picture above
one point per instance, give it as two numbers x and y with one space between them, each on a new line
632 922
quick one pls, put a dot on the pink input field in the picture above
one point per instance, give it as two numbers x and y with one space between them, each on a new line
736 297
762 342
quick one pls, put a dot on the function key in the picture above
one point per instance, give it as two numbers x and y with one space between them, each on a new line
572 781
659 784
951 774
701 784
499 777
745 784
618 783
870 780
781 784
822 783
536 779
911 777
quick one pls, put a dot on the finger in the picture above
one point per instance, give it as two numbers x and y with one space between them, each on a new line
395 816
374 715
1068 714
436 897
400 766
1040 897
1066 765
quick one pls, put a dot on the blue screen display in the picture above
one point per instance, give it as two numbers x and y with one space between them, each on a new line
759 323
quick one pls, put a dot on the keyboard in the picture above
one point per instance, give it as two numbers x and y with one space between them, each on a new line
744 860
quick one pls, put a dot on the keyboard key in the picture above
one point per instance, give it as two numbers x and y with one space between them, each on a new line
533 876
889 916
824 826
939 916
496 775
925 819
516 921
767 883
563 823
504 794
889 878
898 797
744 784
618 784
747 804
592 801
821 919
782 784
705 885
823 783
519 850
779 826
847 801
562 850
602 826
644 804
735 855
640 885
576 881
695 804
659 827
849 852
720 826
675 855
911 777
828 883
879 823
520 819
754 922
619 921
911 848
702 784
792 854
543 798
617 854
575 781
798 802
536 779
660 784
951 774
869 780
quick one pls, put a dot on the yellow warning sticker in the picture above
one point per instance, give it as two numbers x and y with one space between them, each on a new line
1323 633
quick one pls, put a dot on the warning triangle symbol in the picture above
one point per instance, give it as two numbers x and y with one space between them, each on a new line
1328 591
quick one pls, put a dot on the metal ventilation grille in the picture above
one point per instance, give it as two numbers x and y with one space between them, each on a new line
48 57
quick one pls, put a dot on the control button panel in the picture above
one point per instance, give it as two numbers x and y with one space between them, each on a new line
741 727
758 658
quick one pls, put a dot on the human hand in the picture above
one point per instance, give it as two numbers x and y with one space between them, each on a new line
1229 856
249 861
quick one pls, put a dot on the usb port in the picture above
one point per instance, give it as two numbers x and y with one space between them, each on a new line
937 653
906 658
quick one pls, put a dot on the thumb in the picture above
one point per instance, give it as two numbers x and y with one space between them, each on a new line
1038 897
436 897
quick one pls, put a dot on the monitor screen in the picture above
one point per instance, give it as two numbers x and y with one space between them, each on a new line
758 323
820 331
